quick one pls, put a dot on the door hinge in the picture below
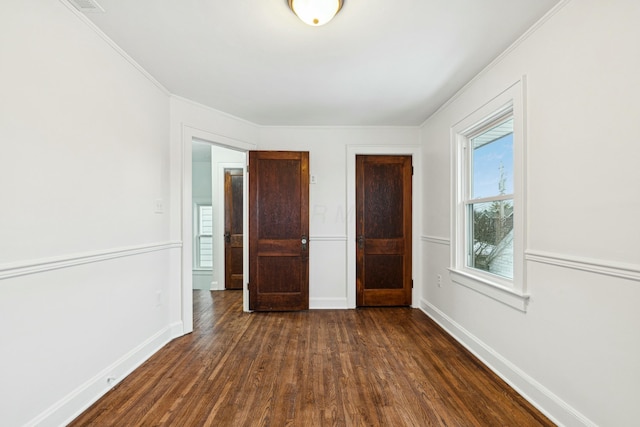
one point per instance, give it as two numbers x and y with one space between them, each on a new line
412 284
411 170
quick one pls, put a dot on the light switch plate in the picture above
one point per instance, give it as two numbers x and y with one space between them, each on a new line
159 206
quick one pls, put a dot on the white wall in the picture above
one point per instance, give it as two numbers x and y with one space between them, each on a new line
201 179
330 211
84 276
575 351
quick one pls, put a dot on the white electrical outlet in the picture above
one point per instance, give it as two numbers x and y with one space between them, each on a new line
439 281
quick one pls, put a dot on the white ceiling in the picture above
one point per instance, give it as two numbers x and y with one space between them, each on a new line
379 62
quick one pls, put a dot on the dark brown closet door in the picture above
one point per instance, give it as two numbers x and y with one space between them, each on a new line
233 232
383 224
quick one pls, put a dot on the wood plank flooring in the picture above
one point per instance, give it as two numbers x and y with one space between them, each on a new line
365 367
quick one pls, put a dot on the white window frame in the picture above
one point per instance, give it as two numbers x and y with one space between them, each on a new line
197 262
510 292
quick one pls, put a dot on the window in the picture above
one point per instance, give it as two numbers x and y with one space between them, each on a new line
204 240
487 232
489 198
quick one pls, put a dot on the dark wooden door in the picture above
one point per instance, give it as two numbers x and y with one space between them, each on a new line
383 227
233 233
278 230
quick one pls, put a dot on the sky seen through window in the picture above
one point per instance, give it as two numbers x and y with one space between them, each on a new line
487 162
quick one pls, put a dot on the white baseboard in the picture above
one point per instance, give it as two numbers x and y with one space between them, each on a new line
68 408
557 410
327 303
176 329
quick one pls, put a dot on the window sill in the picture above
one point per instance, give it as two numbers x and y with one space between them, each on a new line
507 296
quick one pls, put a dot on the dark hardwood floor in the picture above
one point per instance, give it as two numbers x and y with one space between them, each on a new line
365 367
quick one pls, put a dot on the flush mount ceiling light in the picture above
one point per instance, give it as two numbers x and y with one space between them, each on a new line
315 12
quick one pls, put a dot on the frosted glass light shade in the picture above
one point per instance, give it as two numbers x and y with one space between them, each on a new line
315 12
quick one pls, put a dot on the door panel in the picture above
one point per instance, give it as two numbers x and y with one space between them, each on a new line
383 224
233 188
382 271
278 230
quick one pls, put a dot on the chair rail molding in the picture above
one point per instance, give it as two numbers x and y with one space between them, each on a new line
436 240
18 269
328 238
607 268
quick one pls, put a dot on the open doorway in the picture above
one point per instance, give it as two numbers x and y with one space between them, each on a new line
189 135
202 208
210 164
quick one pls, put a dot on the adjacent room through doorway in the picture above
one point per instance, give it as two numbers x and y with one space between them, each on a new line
210 165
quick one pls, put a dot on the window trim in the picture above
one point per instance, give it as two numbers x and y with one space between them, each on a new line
467 200
197 235
511 292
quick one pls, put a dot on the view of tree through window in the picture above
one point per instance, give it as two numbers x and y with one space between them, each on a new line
490 203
